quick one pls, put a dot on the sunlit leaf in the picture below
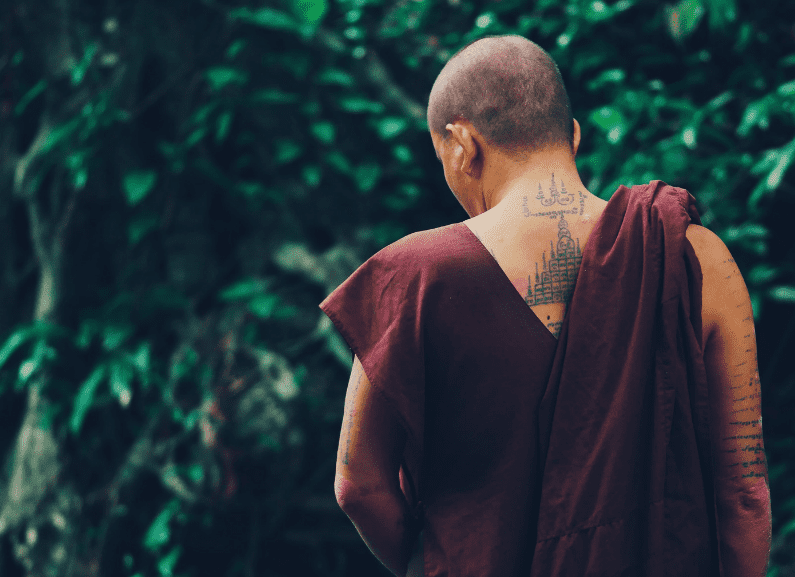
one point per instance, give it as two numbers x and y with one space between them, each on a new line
114 335
311 174
80 69
264 305
611 120
13 342
755 114
120 379
323 131
391 126
159 532
221 76
614 75
783 294
60 133
684 18
85 397
138 184
266 17
762 273
357 104
310 11
244 289
224 123
26 98
335 76
235 48
745 231
597 11
286 151
140 360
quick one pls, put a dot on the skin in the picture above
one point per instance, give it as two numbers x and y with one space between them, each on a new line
484 178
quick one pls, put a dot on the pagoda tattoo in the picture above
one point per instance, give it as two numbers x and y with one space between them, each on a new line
555 282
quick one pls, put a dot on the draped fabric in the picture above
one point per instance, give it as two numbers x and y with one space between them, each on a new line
528 455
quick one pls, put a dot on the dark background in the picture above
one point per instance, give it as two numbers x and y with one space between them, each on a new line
182 183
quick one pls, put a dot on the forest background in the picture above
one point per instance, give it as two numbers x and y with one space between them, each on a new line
182 182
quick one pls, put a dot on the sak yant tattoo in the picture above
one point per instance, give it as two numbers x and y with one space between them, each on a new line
554 282
350 409
745 442
562 197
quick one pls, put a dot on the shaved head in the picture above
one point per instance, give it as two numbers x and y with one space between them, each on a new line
511 91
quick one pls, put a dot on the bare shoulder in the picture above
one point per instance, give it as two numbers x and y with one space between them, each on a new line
720 275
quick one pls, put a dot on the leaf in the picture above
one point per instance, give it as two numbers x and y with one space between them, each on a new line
787 89
223 126
266 17
79 71
26 98
183 363
782 293
264 306
310 11
611 120
747 230
235 48
60 133
756 113
166 564
120 378
137 184
114 335
614 75
357 104
244 289
85 397
221 76
597 11
159 531
391 126
335 76
140 360
762 273
336 159
311 174
367 176
684 18
324 131
13 342
286 151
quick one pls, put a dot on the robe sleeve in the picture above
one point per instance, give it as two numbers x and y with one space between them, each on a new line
378 310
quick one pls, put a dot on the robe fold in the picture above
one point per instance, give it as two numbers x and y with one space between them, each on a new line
527 455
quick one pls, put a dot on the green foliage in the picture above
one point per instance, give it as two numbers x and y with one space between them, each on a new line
260 171
137 184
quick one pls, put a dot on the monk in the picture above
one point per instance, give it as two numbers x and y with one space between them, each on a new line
559 385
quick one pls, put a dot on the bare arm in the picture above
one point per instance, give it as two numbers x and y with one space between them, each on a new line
741 483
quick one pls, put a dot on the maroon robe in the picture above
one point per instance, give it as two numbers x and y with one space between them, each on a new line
528 455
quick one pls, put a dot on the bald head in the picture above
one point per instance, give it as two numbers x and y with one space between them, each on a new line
511 91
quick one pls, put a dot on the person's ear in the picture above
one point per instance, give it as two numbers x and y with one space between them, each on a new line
575 142
465 149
